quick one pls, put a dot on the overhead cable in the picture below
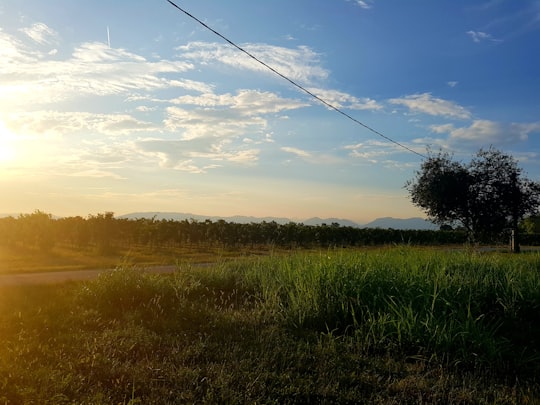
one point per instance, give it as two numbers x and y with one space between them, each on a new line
321 100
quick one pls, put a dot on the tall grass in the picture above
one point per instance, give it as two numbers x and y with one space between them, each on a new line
459 307
397 325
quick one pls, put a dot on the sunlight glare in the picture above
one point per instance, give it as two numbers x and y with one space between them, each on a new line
7 149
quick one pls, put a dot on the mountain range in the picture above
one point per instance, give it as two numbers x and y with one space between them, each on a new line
383 223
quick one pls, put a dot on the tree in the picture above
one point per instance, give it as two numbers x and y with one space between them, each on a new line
104 231
485 196
38 229
531 224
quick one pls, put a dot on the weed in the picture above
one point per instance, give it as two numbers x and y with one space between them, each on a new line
396 325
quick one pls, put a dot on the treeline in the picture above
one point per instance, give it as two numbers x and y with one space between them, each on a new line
103 231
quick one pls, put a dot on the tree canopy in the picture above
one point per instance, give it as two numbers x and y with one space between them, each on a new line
485 196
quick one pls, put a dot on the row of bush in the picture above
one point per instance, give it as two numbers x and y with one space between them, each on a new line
41 230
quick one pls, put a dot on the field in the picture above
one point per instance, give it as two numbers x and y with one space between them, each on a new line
62 257
385 325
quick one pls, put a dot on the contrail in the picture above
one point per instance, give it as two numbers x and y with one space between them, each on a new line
108 37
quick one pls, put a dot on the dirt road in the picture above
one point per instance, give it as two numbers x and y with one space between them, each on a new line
57 277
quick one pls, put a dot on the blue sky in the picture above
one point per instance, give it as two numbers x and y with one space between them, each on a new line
133 106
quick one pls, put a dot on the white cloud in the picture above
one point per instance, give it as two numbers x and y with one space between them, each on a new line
190 167
442 128
144 108
296 151
211 127
427 104
365 4
299 64
371 151
14 53
482 131
215 123
27 76
485 132
452 83
315 158
479 36
246 157
41 33
343 100
245 102
532 127
197 86
197 155
56 123
226 116
398 165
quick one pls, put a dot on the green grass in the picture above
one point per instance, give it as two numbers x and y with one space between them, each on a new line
397 325
17 259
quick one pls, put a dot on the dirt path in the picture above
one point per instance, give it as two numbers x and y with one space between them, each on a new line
57 277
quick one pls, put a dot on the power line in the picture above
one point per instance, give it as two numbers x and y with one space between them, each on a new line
326 103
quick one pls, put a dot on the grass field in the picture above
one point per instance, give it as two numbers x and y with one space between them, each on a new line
17 259
393 325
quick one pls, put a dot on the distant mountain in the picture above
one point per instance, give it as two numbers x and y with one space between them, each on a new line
383 223
329 221
398 223
239 219
180 216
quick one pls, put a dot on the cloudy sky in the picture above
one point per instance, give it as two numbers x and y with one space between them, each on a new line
133 106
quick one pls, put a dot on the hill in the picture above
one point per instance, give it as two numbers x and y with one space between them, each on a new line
383 223
181 216
399 223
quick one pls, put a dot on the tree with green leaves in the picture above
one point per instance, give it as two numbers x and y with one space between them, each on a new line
531 224
486 196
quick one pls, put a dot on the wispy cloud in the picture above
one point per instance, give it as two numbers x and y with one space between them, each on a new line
30 77
486 5
211 129
296 151
197 155
480 36
486 132
57 124
301 63
524 17
215 123
41 33
315 157
427 104
373 152
245 102
218 128
13 52
365 4
340 99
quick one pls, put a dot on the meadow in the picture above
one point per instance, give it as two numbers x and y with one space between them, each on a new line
391 325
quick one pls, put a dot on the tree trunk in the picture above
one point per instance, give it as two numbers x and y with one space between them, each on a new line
515 240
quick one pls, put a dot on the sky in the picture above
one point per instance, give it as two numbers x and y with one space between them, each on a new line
131 106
